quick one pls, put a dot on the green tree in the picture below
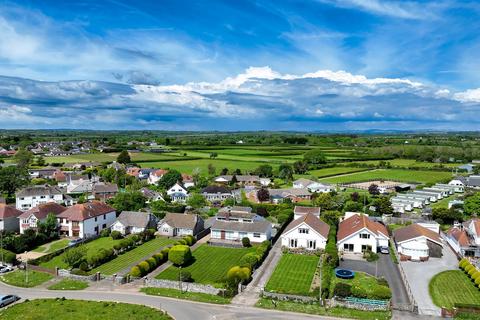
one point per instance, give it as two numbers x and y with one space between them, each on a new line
263 195
124 157
382 206
12 178
471 204
23 158
447 216
300 167
40 161
74 256
211 169
265 170
180 255
373 189
315 157
213 155
169 179
49 227
128 201
196 200
285 172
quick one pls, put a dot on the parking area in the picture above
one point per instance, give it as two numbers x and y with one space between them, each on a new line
385 268
419 275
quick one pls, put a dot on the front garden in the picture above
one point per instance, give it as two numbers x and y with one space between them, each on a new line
453 287
26 279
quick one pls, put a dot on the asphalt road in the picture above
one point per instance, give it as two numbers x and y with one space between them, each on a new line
179 309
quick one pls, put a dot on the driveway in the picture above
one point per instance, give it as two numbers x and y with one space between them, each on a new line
386 269
419 275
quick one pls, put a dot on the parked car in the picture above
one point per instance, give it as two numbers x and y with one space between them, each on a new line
4 269
6 300
384 250
75 242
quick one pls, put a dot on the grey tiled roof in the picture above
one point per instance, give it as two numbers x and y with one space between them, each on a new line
39 191
134 219
257 226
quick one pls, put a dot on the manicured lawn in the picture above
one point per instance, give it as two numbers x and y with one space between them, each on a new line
17 278
453 286
123 261
293 274
210 266
92 248
69 284
172 293
51 309
366 283
56 245
393 174
318 310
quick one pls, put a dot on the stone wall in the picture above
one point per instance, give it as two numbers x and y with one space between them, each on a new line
289 297
357 305
184 286
66 274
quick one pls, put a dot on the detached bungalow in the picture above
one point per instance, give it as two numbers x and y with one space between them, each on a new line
300 211
9 218
294 194
215 193
104 191
180 224
178 193
156 175
312 186
308 232
359 233
29 219
417 243
134 222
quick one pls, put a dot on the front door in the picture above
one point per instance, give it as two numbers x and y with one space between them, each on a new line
222 234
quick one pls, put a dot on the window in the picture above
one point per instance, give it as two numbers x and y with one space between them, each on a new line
256 235
95 219
293 243
104 216
312 244
348 247
247 220
303 230
42 197
366 248
364 236
104 226
165 230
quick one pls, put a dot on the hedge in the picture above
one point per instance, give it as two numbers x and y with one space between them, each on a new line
135 271
144 267
8 256
180 255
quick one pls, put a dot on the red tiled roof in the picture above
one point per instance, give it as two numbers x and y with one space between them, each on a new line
314 222
460 235
186 177
305 210
160 172
8 211
42 210
414 231
356 223
84 211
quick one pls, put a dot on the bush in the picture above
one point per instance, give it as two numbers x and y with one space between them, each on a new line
238 274
79 272
463 263
477 282
152 263
182 242
342 290
105 232
179 255
158 257
188 241
359 292
472 271
8 256
165 252
135 272
468 268
185 276
249 260
144 267
381 293
83 266
246 242
116 235
370 256
475 275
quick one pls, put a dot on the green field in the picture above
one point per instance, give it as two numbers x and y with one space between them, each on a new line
465 291
62 309
92 248
409 163
327 172
293 274
19 279
189 166
69 284
133 256
393 174
210 266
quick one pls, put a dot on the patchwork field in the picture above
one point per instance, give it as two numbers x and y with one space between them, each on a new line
131 257
210 264
440 288
393 174
406 163
328 172
92 248
293 274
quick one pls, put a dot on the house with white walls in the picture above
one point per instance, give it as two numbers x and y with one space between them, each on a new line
132 222
32 196
178 193
30 218
180 224
306 232
417 243
9 218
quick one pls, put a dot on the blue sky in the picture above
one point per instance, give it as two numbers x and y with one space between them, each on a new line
240 65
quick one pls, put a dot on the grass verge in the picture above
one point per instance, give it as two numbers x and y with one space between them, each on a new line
18 278
69 284
194 296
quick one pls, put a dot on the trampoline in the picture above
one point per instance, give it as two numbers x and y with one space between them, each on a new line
344 273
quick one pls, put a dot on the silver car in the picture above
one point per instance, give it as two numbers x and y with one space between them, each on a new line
6 300
4 269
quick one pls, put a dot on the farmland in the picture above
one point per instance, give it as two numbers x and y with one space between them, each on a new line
125 260
210 264
393 174
92 248
293 274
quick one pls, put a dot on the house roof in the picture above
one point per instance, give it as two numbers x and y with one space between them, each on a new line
356 223
134 219
460 235
473 181
300 210
461 178
8 211
42 210
257 226
181 220
150 194
40 190
476 224
186 177
240 178
216 189
236 211
414 231
312 221
159 172
304 182
84 211
105 188
289 192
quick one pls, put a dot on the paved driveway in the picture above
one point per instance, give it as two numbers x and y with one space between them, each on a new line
419 275
385 268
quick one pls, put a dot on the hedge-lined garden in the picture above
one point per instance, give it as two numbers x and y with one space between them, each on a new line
453 287
471 271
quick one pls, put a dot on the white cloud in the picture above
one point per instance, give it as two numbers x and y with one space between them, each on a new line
471 95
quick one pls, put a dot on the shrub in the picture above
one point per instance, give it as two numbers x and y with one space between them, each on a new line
116 235
182 242
342 290
135 272
249 260
468 268
105 232
246 242
185 276
83 266
382 282
180 255
238 274
381 293
463 263
158 257
188 241
359 292
144 267
165 252
477 282
472 271
8 256
117 247
152 263
475 275
191 239
370 256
